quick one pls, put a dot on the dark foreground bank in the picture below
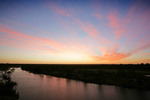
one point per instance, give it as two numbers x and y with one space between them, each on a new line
7 86
131 76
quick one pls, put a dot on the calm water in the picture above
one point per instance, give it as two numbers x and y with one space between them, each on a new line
44 87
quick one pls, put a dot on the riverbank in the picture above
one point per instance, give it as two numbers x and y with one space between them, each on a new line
130 76
7 86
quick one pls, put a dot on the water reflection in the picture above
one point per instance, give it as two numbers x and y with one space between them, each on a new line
44 87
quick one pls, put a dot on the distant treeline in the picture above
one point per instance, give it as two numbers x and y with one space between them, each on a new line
125 75
141 67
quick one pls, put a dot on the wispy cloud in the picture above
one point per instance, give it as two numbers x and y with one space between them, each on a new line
137 25
12 38
114 23
60 10
111 55
141 48
114 55
92 31
28 41
98 16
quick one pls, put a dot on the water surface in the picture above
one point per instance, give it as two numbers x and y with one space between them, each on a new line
45 87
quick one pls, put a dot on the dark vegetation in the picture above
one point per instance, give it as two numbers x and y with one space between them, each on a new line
7 86
128 75
124 75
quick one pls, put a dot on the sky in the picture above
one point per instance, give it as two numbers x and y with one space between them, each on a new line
75 31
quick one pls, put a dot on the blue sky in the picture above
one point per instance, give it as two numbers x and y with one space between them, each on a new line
74 31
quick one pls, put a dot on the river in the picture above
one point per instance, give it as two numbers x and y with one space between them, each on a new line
45 87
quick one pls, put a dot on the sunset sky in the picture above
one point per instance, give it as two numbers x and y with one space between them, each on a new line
75 31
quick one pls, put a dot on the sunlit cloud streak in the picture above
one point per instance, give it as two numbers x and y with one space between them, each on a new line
141 48
137 24
114 55
92 32
59 10
115 24
98 16
87 27
37 43
30 41
111 55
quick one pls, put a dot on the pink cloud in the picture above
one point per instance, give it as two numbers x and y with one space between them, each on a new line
16 39
88 28
22 25
142 41
141 48
60 10
92 31
29 45
20 40
98 16
111 56
132 9
137 23
26 38
67 25
114 23
145 54
132 26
